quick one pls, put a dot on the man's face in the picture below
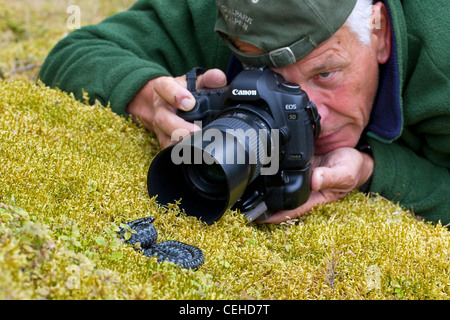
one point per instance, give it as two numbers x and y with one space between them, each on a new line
341 77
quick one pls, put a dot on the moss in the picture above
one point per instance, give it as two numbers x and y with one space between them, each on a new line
72 172
30 28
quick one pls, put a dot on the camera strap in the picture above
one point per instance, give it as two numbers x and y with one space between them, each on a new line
314 115
191 77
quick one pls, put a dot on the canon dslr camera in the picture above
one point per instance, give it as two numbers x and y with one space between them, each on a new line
253 153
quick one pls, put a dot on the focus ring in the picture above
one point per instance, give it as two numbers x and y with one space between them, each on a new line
244 132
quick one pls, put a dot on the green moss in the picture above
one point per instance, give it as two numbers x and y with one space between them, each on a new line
30 28
72 172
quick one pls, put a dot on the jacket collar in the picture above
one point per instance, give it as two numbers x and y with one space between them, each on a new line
386 123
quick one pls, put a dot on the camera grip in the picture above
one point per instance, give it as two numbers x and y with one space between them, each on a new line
208 104
293 193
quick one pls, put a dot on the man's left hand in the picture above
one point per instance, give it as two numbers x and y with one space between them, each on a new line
335 175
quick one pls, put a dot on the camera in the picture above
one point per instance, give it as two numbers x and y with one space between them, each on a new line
253 153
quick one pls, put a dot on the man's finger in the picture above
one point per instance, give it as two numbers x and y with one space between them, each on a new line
281 216
213 78
167 122
338 177
170 90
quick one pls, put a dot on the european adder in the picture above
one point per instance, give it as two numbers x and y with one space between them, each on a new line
180 253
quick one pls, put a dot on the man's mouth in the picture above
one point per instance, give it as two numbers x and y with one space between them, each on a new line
327 138
327 142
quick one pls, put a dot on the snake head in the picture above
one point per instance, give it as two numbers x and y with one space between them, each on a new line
141 223
141 230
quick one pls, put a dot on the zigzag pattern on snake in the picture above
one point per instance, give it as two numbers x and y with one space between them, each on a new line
180 253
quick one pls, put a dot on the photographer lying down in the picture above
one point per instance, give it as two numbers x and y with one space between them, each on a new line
377 72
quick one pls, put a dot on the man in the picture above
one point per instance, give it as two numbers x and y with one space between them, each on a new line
378 75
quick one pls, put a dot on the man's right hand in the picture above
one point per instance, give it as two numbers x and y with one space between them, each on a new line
156 103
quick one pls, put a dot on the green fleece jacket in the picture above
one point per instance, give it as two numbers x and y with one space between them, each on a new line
409 132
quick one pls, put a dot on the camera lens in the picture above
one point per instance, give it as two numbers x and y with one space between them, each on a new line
210 169
208 179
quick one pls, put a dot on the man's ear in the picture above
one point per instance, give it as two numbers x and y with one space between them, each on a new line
381 32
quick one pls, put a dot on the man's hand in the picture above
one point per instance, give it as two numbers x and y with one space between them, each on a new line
335 175
156 103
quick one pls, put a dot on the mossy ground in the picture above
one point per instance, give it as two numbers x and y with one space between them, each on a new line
70 173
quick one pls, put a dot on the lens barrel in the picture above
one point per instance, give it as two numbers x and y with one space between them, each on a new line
210 169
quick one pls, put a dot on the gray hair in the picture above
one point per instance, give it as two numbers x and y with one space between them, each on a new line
359 20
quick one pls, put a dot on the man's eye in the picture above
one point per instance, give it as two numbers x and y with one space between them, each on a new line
326 75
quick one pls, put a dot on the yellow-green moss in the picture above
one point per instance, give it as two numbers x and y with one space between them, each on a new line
70 173
30 28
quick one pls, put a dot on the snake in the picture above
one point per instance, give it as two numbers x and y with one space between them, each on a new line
145 233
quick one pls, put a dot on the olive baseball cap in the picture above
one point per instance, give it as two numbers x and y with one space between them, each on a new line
287 30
